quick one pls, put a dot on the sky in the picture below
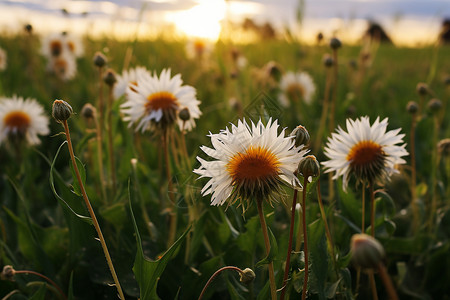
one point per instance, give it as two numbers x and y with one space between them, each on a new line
407 21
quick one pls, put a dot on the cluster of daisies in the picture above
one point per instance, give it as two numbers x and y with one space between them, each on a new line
61 51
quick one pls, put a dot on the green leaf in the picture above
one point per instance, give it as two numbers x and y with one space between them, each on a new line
234 294
319 257
65 205
76 185
148 272
40 293
264 294
273 250
70 292
115 214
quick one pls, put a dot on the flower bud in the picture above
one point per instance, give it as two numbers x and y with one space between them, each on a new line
367 252
247 276
301 136
422 88
435 105
273 70
8 273
335 43
110 77
99 59
61 110
184 114
309 166
412 107
88 111
319 37
327 60
28 28
444 147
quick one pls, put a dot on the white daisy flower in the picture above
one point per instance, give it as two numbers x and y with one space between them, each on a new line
73 44
368 152
64 66
128 77
23 119
155 102
3 59
53 45
296 87
250 162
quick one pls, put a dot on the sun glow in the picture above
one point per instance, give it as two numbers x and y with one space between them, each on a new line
203 20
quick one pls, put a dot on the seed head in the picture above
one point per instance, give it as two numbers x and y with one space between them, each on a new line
61 110
99 59
335 43
444 147
301 136
412 107
184 114
367 252
247 276
28 28
327 60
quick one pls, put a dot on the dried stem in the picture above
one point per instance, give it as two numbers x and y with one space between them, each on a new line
373 286
215 275
273 287
387 282
91 212
372 210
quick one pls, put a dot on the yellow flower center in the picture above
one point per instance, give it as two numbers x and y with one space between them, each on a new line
366 160
256 164
199 47
18 120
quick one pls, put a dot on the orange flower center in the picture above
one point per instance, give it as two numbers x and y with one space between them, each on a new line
199 47
71 46
364 153
55 48
161 100
295 91
256 164
18 120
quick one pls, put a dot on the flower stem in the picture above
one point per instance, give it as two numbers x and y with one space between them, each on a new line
273 287
26 272
172 211
373 286
91 212
412 139
100 158
387 282
110 140
372 210
363 212
323 117
305 239
289 250
215 275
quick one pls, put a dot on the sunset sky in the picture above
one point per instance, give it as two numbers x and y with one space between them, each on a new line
408 21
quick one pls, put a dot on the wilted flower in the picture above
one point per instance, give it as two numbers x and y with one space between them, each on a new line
367 152
154 103
296 87
21 118
251 162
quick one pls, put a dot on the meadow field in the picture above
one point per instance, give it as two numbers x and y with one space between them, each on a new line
164 237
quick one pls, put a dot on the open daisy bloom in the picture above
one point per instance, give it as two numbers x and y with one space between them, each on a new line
366 151
154 103
22 119
128 78
296 87
63 66
251 163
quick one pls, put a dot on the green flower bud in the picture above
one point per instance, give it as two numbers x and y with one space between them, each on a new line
184 114
335 43
367 252
309 166
301 136
99 59
110 77
435 105
247 276
61 110
88 111
412 107
327 60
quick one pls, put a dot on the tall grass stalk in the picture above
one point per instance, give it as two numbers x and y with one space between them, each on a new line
305 239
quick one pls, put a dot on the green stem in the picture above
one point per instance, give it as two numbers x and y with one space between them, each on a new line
110 141
289 250
215 275
323 117
363 212
91 212
172 211
100 159
372 210
305 240
414 206
273 287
